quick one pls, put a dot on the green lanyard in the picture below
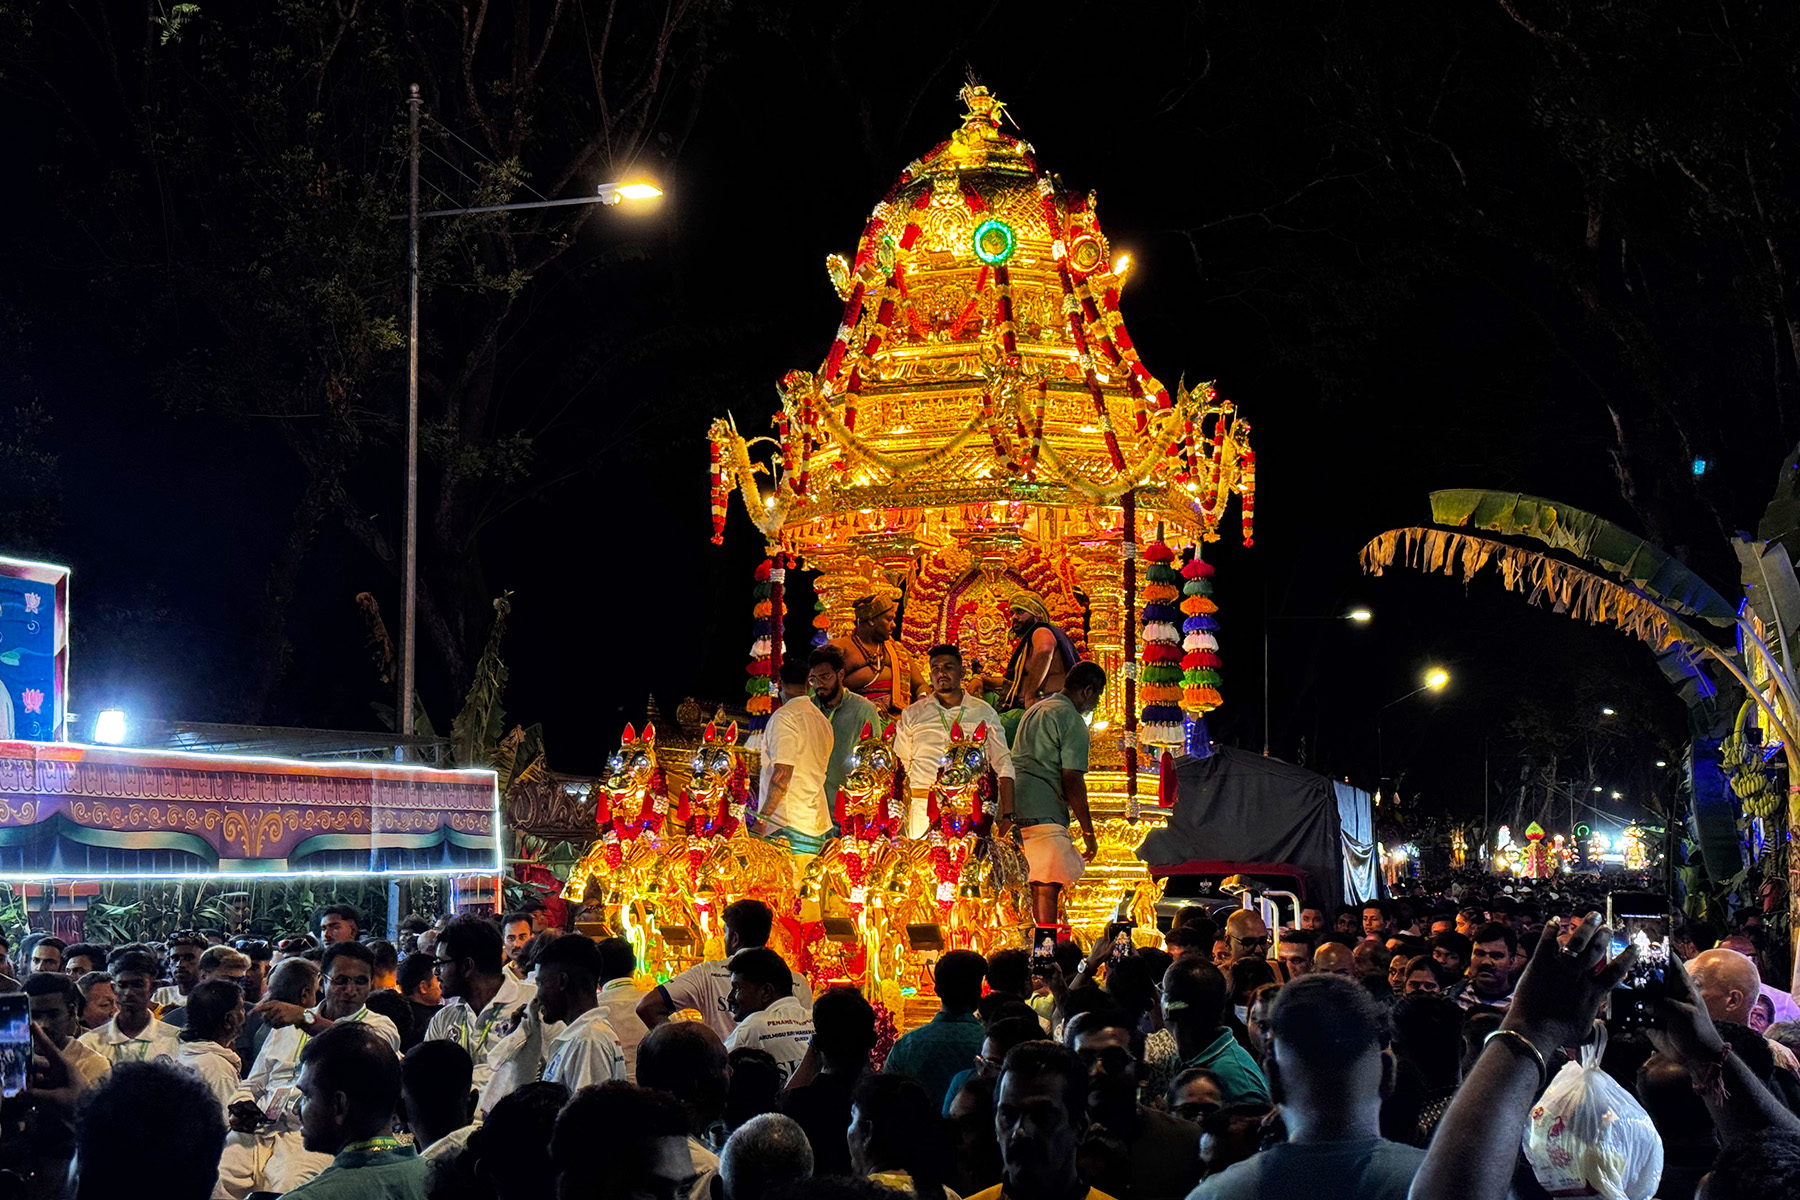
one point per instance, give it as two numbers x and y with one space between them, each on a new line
374 1145
484 1030
946 724
141 1051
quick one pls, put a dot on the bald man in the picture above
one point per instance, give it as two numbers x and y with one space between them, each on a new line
1729 985
1247 935
1334 958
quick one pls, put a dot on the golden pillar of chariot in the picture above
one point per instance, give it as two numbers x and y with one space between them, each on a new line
982 424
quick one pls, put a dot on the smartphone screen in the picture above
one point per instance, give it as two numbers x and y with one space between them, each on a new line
1043 943
1121 940
15 1043
1631 913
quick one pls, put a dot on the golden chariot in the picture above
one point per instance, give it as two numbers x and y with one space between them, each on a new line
981 425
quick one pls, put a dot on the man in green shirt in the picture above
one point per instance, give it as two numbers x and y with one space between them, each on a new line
1050 759
350 1083
847 712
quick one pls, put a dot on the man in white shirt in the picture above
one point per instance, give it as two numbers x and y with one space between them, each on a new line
924 734
347 973
215 1016
264 1151
791 803
183 954
619 996
769 1018
586 1051
516 934
133 1035
482 1002
706 987
55 1006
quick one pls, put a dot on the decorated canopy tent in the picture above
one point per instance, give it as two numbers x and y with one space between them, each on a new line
70 811
982 424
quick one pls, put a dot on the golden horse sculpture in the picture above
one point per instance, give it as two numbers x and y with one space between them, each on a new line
625 875
723 861
955 879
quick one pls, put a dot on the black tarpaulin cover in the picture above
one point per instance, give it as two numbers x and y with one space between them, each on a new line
1237 806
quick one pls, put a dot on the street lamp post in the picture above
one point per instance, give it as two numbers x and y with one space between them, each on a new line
1360 616
608 194
1436 680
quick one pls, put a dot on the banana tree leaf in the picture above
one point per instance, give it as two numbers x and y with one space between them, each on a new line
1585 535
1781 520
1773 592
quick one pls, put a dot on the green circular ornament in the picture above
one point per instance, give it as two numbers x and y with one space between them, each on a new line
994 242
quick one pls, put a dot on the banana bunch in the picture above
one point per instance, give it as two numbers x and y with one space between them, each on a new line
1742 762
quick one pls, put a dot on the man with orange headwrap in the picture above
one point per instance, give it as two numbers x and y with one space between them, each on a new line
876 666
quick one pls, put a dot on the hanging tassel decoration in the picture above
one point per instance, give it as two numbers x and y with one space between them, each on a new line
1200 663
1160 677
762 629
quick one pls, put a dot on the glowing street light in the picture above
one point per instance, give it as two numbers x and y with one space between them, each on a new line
109 728
1662 762
1618 795
1437 679
612 193
1361 616
1609 712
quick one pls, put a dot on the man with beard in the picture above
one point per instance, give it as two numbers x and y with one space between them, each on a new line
347 973
1041 659
876 666
1040 1115
134 1034
923 735
83 958
847 712
483 999
219 962
1489 985
350 1082
1137 1151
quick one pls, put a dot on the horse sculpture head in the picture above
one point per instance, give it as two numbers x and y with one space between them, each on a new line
964 762
712 764
630 767
872 764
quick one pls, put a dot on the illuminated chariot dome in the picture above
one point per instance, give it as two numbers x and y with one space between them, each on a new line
981 426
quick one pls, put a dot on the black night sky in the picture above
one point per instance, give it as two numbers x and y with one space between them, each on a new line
1421 247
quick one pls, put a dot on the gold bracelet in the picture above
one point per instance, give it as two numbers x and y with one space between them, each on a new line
1521 1045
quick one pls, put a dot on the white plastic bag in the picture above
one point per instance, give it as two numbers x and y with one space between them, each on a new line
1588 1136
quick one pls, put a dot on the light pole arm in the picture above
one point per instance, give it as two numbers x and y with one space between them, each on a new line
602 198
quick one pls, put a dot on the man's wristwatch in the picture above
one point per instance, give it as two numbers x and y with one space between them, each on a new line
309 1019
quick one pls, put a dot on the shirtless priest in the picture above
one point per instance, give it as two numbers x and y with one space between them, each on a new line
876 665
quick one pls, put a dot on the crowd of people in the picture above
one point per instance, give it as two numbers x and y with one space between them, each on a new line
1384 1050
